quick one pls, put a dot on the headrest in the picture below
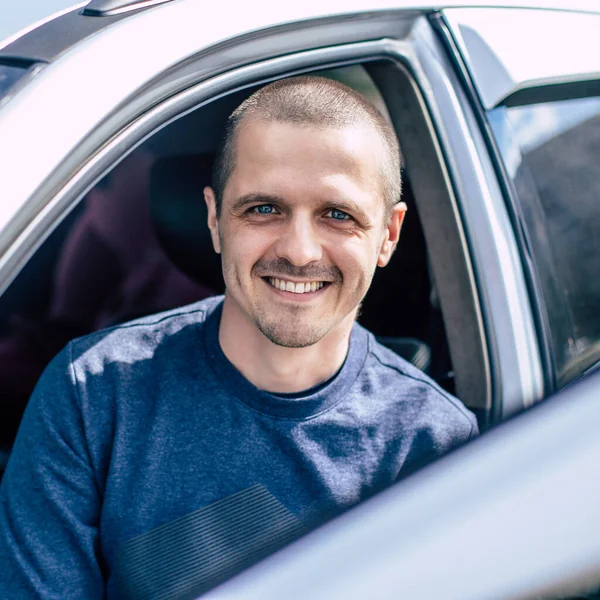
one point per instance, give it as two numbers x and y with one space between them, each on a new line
179 216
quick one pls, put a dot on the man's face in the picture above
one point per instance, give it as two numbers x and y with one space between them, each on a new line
302 227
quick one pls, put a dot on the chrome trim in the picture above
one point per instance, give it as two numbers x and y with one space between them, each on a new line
507 50
495 256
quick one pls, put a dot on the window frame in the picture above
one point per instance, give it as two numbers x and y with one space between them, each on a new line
517 357
479 80
173 94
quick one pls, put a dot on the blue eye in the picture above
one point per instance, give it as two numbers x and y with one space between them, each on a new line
264 209
339 215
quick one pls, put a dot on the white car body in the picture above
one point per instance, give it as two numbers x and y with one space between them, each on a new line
513 515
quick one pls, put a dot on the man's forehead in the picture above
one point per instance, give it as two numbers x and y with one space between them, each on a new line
308 172
265 138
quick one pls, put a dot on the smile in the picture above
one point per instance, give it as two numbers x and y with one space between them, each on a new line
295 288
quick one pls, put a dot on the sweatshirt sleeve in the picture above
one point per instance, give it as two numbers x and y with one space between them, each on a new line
49 498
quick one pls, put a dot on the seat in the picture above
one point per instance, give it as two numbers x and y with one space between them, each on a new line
411 349
179 216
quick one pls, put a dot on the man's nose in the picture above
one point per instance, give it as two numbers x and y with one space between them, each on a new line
299 242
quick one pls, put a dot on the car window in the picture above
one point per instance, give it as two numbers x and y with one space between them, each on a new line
102 266
114 259
9 75
550 150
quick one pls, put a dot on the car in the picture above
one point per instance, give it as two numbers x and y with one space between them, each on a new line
109 118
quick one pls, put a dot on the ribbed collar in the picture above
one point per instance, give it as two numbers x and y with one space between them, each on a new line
298 408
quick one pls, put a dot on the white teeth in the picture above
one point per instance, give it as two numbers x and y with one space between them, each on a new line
296 288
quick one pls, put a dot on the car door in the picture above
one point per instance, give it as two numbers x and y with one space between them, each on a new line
533 79
78 228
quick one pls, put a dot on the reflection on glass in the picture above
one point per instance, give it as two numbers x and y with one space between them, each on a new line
540 123
102 266
551 152
9 75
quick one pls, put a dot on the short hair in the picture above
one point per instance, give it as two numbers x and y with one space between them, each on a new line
316 101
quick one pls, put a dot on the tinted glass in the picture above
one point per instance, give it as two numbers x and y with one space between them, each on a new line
551 153
102 266
9 75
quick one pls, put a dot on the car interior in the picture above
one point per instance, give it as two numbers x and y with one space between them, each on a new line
137 243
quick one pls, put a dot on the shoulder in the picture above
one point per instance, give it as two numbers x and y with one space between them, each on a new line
140 339
416 394
123 375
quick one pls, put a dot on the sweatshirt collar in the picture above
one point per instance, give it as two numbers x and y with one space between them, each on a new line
300 406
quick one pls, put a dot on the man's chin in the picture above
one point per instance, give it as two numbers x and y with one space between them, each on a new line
287 336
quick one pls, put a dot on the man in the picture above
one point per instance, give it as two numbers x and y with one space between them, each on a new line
159 456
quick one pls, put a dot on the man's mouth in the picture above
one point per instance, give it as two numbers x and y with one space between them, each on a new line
295 287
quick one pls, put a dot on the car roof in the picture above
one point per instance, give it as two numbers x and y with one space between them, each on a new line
128 50
69 26
274 14
335 6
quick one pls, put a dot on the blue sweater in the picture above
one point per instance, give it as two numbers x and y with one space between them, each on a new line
146 462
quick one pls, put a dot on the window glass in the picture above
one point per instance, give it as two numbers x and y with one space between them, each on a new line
102 266
551 153
9 75
115 258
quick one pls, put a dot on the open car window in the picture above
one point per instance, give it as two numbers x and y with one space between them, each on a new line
115 258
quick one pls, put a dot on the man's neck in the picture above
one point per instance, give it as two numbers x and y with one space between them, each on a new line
275 368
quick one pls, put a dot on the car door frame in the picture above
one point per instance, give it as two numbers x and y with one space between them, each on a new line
448 171
492 75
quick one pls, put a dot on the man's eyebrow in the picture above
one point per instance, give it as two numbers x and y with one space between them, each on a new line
350 207
254 198
345 206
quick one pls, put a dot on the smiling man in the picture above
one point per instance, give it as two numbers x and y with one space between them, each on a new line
162 454
306 206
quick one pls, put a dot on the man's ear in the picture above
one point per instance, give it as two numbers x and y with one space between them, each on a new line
213 222
392 234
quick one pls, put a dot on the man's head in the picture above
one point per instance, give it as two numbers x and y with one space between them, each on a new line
306 194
